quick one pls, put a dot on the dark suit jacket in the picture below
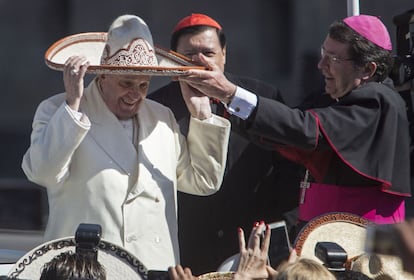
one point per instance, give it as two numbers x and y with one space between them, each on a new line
258 185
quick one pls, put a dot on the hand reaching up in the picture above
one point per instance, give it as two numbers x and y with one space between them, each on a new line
253 257
180 273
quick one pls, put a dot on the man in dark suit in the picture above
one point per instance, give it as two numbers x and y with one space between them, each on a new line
258 184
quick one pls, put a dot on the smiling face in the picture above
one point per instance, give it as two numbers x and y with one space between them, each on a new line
124 94
341 75
206 44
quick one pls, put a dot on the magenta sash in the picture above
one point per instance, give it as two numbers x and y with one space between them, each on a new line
368 202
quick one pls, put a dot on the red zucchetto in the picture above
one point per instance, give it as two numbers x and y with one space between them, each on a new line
196 19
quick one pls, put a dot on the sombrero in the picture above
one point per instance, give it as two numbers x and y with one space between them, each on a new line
345 229
127 48
350 232
381 267
118 263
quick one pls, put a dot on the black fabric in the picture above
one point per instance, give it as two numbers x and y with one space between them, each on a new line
408 97
258 185
361 139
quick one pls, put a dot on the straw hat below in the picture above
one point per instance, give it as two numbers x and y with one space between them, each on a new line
350 232
345 229
381 267
118 263
217 276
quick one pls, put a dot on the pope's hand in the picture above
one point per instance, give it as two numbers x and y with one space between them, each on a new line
73 74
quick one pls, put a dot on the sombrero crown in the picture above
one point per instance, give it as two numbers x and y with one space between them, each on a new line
129 43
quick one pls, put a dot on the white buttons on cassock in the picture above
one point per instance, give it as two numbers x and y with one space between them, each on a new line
131 238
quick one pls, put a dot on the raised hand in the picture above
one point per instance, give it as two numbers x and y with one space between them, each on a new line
211 82
254 256
198 104
180 273
73 79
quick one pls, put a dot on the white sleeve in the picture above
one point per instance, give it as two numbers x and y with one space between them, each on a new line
79 117
242 104
55 137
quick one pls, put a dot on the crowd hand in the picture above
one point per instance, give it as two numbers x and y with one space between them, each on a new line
180 273
254 256
210 82
73 74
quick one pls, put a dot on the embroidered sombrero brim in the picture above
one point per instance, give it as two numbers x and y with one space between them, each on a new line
92 44
118 263
345 229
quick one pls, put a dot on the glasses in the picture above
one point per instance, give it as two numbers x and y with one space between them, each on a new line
333 58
